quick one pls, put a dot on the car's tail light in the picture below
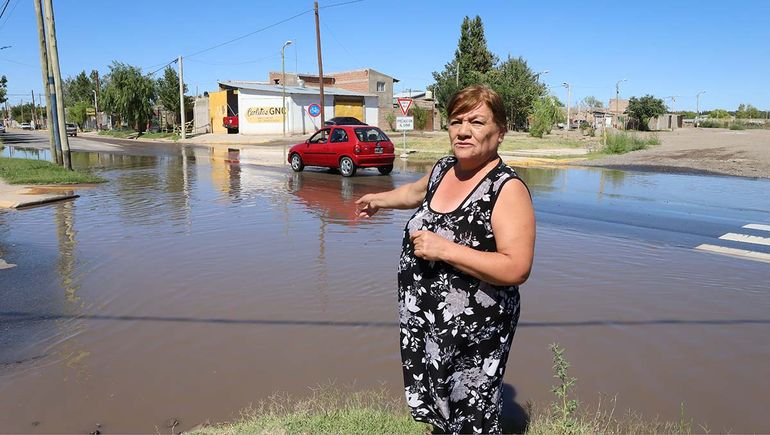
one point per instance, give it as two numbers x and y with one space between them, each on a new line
357 149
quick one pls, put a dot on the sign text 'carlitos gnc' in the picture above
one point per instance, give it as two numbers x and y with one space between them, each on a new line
265 114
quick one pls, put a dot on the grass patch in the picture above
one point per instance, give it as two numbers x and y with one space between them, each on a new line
331 410
131 134
328 410
622 142
27 171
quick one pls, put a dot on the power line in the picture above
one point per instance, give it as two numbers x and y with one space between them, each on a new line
235 63
8 17
248 34
5 6
340 4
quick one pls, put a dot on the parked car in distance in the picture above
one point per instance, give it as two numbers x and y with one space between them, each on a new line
71 128
230 123
344 120
345 147
26 126
2 128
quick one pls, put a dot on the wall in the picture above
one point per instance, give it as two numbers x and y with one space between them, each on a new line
201 118
259 114
217 111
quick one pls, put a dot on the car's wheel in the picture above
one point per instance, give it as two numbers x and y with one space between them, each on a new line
347 167
385 170
296 163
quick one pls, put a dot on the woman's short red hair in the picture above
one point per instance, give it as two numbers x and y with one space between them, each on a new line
471 97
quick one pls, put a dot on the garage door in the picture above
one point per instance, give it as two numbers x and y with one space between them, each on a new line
349 107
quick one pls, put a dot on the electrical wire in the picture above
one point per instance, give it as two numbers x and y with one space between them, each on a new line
274 56
5 6
8 17
340 4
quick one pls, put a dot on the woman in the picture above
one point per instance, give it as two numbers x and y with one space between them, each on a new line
466 250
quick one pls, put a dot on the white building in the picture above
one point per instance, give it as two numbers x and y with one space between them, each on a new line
259 107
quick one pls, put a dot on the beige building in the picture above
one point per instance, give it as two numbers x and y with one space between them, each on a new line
362 81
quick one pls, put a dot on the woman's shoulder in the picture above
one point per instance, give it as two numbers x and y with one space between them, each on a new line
440 167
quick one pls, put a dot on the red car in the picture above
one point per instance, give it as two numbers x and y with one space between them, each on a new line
347 147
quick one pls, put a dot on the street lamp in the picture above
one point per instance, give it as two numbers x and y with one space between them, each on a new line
617 100
283 85
697 106
569 96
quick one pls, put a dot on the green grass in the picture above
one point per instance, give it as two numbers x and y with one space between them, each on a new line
329 410
737 126
332 410
26 171
124 134
622 142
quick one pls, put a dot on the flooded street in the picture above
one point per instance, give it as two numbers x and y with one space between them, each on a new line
188 288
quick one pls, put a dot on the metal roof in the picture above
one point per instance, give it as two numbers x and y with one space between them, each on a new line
277 89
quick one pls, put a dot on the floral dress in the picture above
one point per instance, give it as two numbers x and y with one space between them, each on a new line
455 330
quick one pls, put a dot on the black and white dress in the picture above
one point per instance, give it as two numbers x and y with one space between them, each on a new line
456 330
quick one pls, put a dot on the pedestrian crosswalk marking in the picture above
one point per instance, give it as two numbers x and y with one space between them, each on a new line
757 227
742 253
745 238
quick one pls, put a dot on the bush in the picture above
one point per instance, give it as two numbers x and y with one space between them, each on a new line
737 125
712 123
420 117
390 118
621 143
545 114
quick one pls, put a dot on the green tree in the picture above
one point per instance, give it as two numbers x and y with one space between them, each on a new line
473 59
644 108
747 111
77 113
547 112
23 113
719 114
77 89
518 87
420 117
3 89
592 103
168 93
129 94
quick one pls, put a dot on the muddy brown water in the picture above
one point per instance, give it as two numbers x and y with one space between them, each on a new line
190 288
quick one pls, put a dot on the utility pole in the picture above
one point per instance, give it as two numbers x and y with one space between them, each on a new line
96 109
53 54
283 90
50 105
569 97
96 97
320 63
697 106
181 99
617 100
34 111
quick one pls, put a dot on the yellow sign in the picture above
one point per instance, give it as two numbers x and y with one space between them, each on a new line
90 111
265 114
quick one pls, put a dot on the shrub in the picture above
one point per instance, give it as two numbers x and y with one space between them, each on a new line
390 118
737 125
621 143
420 117
545 114
712 123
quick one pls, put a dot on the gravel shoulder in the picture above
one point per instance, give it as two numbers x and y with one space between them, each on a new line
742 153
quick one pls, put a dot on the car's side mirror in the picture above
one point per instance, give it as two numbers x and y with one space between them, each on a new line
307 140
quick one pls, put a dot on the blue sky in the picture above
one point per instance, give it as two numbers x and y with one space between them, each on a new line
661 47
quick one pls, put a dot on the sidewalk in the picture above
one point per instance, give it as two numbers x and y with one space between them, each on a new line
17 196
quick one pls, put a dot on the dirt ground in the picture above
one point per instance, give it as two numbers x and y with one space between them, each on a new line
744 153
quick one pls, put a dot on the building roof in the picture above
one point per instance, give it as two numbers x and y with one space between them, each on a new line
395 80
278 89
414 93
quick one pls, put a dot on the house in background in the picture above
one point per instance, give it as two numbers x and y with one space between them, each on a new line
361 81
259 106
422 99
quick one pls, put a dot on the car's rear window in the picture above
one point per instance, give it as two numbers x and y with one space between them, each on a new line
370 134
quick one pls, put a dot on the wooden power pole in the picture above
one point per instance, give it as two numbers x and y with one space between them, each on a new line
320 64
183 134
53 55
47 85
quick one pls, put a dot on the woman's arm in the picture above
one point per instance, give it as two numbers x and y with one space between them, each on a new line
513 224
404 197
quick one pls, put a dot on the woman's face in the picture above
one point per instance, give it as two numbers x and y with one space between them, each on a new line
474 134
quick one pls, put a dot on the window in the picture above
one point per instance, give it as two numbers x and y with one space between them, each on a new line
380 86
319 137
371 134
339 135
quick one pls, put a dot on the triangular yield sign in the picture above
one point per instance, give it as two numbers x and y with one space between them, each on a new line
405 103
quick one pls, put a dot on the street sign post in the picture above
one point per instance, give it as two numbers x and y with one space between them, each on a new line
404 123
404 104
314 110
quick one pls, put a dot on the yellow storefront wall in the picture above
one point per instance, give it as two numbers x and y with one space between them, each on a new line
349 107
217 110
